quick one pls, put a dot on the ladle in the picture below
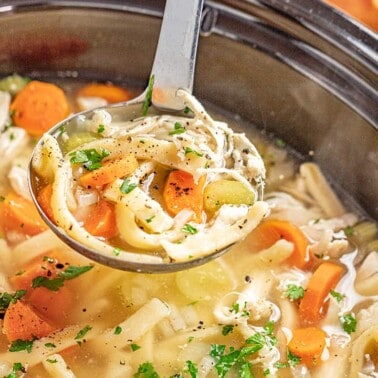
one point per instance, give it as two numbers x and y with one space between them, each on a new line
173 68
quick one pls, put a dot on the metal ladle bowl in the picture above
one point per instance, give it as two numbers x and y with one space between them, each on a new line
173 69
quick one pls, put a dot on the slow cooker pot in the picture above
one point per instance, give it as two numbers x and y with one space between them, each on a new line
298 70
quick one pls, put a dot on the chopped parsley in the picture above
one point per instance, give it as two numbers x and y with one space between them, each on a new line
53 284
56 283
117 251
338 296
178 129
146 370
50 345
147 100
227 329
80 335
127 187
100 129
90 158
20 345
189 229
294 292
188 150
117 330
74 271
192 369
187 110
52 361
134 347
349 231
349 323
6 299
224 360
292 360
150 219
16 368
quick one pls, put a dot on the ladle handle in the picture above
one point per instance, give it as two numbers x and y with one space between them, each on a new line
174 62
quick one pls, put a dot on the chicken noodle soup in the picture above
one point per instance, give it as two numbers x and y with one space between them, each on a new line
296 297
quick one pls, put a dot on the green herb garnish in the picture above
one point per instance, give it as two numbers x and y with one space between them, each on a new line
117 330
72 271
53 284
17 367
338 296
225 361
189 229
117 251
147 101
127 187
188 150
90 158
149 220
294 292
134 347
80 335
50 345
349 323
227 329
146 370
52 361
191 368
56 283
6 299
20 345
349 231
100 129
178 129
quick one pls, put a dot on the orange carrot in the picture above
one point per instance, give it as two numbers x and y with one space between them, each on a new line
21 215
270 231
313 307
308 344
110 92
181 192
38 107
22 322
44 200
54 306
109 171
45 266
101 220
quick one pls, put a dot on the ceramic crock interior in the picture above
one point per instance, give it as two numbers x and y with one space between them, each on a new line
254 61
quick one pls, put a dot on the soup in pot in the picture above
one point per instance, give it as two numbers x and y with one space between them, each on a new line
296 297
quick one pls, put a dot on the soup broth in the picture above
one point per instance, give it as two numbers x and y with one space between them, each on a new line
296 298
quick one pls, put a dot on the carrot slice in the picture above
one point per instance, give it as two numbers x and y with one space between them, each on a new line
110 92
46 266
308 344
101 221
38 107
109 171
313 307
21 215
54 306
44 200
270 231
181 192
22 322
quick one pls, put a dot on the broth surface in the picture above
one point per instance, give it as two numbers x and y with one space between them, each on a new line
199 322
